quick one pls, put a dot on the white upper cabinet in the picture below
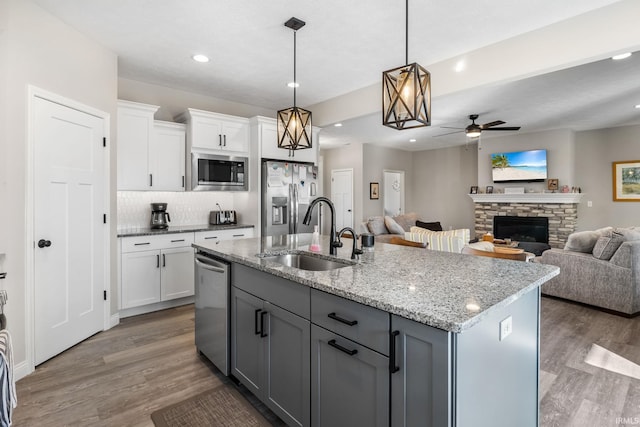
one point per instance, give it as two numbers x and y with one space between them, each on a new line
267 134
216 133
167 157
135 131
151 154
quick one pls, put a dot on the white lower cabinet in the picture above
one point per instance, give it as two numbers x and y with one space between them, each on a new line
228 234
156 268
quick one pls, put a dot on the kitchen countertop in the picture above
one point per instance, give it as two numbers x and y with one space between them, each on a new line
147 231
445 290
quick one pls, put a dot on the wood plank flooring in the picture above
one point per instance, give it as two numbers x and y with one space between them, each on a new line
118 377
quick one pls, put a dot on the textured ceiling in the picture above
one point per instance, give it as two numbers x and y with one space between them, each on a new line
344 47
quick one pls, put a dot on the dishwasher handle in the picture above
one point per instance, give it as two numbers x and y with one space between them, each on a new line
206 264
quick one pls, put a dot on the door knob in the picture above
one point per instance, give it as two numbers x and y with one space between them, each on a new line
44 243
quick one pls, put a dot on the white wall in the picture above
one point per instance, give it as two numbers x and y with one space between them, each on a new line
441 182
375 160
347 157
596 150
560 146
174 102
39 50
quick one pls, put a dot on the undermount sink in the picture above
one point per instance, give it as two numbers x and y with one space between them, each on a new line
308 262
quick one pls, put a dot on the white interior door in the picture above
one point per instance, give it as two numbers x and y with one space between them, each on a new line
69 243
342 197
393 192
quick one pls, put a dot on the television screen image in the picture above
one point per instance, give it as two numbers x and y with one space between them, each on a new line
529 166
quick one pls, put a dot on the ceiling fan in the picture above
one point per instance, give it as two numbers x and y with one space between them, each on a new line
474 130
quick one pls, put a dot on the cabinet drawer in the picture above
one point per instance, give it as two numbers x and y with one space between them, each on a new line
286 294
227 234
365 325
148 243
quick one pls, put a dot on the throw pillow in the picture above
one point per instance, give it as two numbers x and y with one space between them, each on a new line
628 233
392 226
583 241
607 245
376 225
406 221
433 226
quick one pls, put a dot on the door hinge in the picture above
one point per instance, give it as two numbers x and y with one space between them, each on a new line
105 295
104 218
104 141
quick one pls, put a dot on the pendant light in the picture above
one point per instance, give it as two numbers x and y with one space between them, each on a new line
294 124
406 92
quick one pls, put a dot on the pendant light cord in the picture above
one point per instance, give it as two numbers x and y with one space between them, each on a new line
406 39
295 81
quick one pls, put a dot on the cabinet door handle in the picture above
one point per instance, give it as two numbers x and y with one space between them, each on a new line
177 240
157 261
219 140
334 316
150 180
255 322
392 356
210 237
262 333
182 181
141 244
225 140
333 344
238 235
164 263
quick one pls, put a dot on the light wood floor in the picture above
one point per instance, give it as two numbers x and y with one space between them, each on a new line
118 377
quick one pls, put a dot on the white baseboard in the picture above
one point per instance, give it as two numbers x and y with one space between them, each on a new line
144 309
114 320
21 370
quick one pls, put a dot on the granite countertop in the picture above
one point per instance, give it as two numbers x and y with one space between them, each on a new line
445 290
147 231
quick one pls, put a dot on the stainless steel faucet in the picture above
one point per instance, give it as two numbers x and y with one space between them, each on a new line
334 242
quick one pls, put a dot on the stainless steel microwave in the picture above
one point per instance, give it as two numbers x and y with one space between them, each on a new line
210 172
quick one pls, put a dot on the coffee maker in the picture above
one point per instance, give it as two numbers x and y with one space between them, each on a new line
159 215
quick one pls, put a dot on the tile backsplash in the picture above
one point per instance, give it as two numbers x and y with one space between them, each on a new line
186 208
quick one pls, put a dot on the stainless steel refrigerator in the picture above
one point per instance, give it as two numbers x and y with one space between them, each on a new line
287 190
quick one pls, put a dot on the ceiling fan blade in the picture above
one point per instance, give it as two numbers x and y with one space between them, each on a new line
449 127
490 124
505 128
448 133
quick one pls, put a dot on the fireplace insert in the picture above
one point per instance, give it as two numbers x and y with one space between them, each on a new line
531 232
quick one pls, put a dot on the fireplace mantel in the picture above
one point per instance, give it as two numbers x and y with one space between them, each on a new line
527 198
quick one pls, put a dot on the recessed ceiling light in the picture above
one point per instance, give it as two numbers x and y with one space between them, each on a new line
338 125
200 58
460 66
638 106
621 56
293 84
412 140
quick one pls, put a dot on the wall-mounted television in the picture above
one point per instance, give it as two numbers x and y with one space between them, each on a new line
519 166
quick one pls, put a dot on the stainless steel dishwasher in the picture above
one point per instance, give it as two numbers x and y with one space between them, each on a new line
212 309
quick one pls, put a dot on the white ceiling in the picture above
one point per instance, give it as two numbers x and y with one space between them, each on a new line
345 46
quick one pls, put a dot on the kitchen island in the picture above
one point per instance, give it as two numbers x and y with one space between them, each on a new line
405 336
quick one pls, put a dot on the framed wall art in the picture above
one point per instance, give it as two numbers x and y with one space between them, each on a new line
626 181
374 191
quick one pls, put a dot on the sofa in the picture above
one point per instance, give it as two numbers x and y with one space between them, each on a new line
600 268
409 227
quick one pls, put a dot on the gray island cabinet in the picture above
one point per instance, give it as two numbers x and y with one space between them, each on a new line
409 338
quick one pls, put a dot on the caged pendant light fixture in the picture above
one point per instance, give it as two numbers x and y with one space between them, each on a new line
294 124
406 92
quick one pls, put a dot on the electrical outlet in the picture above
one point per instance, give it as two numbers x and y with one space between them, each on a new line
589 204
506 327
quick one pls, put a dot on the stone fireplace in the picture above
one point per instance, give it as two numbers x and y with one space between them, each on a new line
561 209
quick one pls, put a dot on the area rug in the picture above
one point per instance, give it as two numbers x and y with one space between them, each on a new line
221 406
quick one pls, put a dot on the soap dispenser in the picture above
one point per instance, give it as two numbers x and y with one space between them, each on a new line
315 240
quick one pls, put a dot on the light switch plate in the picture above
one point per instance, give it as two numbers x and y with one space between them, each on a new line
506 327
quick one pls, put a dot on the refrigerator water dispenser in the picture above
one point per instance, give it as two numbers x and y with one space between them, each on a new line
279 210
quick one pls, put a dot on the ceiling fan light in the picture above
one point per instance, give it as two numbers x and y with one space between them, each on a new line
473 131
